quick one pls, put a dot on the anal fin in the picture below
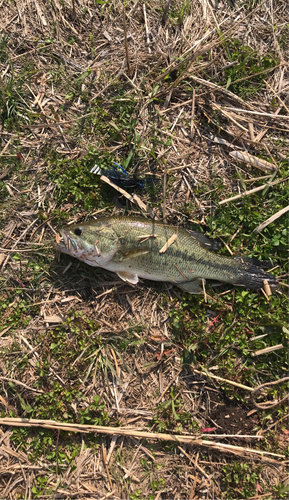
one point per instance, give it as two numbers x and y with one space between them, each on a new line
127 276
193 286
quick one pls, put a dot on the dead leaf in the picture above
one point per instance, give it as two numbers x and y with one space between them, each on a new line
53 319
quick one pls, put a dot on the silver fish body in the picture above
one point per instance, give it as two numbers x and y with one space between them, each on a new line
137 248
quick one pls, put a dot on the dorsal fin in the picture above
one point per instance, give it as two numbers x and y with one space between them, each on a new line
206 242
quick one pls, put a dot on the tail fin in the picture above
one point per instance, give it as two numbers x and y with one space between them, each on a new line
264 264
252 276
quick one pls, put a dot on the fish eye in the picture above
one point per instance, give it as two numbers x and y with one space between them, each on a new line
78 231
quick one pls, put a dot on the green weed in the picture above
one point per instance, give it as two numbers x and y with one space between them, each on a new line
63 345
14 311
249 4
273 240
41 487
151 471
178 11
136 496
12 97
283 38
248 63
227 339
75 183
3 48
281 490
170 415
241 480
70 349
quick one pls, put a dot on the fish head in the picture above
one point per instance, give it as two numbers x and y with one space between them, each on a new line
93 243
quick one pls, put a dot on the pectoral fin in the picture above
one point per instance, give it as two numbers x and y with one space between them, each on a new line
130 277
194 286
132 253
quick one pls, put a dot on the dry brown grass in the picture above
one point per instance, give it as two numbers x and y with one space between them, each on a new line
174 76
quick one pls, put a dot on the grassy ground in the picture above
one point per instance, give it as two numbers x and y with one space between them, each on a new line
77 344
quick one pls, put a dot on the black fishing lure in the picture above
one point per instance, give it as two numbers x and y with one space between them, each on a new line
121 178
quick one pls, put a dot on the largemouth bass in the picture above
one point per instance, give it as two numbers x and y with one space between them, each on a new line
137 248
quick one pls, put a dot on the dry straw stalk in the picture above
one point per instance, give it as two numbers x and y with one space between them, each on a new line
120 431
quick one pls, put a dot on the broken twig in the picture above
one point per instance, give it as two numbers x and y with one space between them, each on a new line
125 43
271 219
247 193
133 198
146 26
273 403
168 243
253 160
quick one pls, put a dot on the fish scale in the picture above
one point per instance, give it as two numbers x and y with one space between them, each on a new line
186 253
136 248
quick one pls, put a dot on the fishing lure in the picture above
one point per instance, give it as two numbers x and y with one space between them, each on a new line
121 178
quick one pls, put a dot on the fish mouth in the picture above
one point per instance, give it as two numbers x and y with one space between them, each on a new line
89 253
66 244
